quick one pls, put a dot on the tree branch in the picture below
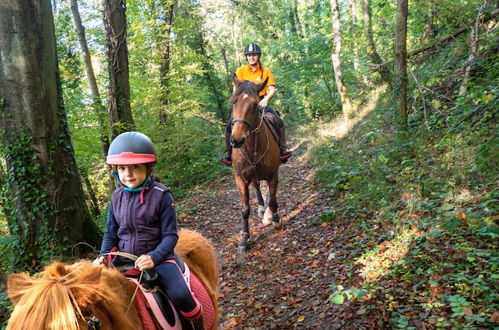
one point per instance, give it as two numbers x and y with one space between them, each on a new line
485 18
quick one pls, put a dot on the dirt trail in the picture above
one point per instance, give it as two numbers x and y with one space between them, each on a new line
286 279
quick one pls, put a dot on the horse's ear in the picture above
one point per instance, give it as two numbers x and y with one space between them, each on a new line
17 285
261 86
235 80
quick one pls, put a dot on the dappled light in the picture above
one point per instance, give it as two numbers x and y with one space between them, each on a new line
378 261
339 127
371 125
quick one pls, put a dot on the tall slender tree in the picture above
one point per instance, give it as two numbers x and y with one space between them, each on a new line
335 56
120 113
92 82
371 45
400 67
166 62
45 187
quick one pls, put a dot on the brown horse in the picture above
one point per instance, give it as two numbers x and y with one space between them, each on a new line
65 297
255 155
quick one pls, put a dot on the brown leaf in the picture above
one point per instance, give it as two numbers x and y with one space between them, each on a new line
467 311
495 317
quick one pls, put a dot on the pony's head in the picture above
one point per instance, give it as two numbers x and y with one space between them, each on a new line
246 112
66 298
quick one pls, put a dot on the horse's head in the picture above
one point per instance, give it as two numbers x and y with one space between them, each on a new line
64 297
246 112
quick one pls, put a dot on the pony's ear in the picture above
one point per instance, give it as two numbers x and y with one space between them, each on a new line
261 86
86 280
57 269
17 285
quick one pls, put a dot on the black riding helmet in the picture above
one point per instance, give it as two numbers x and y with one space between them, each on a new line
131 148
252 49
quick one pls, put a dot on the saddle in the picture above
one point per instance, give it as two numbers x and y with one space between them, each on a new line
155 308
273 125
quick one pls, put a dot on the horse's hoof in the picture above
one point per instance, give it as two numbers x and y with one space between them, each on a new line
267 218
278 225
240 258
241 249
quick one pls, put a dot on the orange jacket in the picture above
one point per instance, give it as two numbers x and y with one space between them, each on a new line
244 73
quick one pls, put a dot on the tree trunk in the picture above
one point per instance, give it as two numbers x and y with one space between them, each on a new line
92 82
294 19
47 197
165 65
228 76
485 18
428 32
234 43
335 56
371 46
120 113
400 67
214 86
353 8
90 195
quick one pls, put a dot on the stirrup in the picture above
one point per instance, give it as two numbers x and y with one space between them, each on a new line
285 156
226 161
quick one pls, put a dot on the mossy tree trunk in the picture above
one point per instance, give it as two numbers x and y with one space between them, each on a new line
120 113
400 67
48 213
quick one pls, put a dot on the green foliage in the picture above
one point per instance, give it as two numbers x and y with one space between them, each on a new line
341 295
429 198
28 175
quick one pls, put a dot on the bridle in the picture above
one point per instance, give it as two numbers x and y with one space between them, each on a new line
250 124
94 323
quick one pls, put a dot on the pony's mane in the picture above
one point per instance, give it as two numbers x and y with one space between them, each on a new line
56 297
245 87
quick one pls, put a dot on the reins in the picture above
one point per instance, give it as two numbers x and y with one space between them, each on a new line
254 163
133 258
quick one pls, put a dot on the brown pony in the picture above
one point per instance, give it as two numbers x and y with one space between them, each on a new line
65 297
255 155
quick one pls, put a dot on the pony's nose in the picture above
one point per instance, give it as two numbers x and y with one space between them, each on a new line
236 143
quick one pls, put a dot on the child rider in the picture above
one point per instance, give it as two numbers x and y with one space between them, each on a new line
142 220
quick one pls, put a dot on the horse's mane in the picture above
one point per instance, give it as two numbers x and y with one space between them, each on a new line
245 87
56 297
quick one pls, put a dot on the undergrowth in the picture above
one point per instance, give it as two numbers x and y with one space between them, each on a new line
426 200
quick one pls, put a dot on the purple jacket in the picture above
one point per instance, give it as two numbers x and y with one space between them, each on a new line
142 228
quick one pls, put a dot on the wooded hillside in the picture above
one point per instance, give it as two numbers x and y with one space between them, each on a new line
393 105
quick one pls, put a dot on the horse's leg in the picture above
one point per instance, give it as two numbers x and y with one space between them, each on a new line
245 212
267 216
261 206
273 201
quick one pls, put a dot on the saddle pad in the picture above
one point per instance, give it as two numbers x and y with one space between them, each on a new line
201 294
145 313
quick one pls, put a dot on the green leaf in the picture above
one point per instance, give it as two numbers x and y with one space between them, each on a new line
339 298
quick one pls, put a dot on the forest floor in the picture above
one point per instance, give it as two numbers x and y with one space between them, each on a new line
289 273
